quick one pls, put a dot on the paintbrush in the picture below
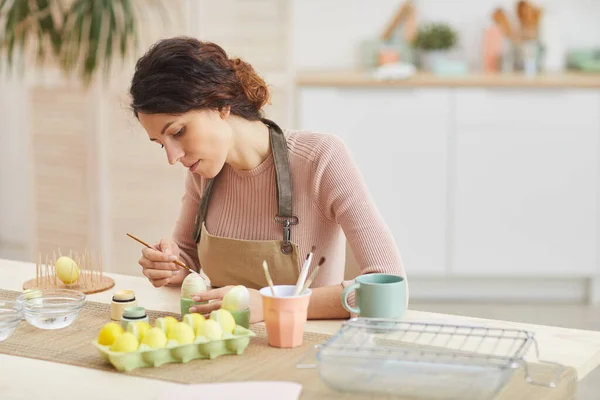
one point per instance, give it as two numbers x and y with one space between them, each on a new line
150 247
304 272
268 276
312 275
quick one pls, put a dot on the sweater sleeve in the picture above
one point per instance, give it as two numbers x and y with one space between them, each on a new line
343 197
183 233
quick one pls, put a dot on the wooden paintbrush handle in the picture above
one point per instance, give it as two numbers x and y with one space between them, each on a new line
150 247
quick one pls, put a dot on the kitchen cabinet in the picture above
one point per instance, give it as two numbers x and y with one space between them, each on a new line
525 185
476 183
399 141
515 108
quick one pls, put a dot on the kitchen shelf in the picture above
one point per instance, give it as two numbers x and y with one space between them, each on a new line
364 78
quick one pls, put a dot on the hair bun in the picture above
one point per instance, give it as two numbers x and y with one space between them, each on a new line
253 85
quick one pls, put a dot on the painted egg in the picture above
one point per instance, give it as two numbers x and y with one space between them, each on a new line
237 299
67 270
210 329
224 319
192 285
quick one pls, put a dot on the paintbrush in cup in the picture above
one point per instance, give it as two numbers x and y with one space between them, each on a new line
268 276
304 272
312 275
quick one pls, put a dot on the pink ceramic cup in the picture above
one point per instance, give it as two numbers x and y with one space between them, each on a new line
285 315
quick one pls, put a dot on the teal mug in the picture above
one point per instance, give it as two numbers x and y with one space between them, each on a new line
377 296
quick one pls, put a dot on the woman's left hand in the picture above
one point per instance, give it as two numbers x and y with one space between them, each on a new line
215 296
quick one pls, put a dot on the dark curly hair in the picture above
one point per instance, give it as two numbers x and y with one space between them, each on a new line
180 74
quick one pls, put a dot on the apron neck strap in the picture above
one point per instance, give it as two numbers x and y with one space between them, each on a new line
283 180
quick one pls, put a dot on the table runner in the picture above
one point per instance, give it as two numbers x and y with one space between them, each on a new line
72 345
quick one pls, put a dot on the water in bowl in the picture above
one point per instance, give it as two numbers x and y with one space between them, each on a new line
52 308
51 321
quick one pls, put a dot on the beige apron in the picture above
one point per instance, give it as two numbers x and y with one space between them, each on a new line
239 262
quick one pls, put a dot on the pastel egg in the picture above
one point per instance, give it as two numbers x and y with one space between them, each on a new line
192 285
67 270
237 299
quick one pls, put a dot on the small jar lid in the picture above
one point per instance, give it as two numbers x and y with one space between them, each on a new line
134 312
124 295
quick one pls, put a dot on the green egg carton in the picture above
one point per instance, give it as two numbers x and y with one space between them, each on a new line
202 348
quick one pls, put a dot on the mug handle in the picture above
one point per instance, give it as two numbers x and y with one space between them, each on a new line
345 293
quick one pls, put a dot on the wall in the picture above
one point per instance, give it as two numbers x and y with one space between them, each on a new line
325 37
258 31
14 171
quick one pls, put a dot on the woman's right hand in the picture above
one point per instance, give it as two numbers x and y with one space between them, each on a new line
158 265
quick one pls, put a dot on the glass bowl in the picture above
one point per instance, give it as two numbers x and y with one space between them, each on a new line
51 308
11 313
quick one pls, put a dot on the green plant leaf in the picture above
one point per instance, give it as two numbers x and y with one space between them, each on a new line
24 22
112 29
84 35
48 26
47 32
16 22
93 40
130 31
435 36
75 22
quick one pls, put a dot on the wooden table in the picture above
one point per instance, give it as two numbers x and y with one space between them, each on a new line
23 378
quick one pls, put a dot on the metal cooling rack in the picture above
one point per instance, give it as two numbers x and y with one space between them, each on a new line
430 360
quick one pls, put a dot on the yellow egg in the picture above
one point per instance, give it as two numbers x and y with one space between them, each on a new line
224 319
193 319
138 328
142 327
155 338
126 343
67 270
210 329
165 323
182 333
109 333
170 323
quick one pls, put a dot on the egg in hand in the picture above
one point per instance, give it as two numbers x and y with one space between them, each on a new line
192 285
67 270
236 299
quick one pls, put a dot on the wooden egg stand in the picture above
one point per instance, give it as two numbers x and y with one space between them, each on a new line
91 276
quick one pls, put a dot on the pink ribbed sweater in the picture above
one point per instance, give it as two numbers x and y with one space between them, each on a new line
329 197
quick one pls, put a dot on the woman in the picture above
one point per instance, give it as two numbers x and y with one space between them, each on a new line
252 192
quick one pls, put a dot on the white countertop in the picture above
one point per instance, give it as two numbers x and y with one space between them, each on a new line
23 378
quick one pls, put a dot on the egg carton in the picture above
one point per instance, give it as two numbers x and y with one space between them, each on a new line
234 344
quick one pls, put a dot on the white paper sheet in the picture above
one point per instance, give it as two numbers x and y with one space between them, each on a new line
254 390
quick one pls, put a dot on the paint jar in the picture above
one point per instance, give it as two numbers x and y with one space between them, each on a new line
120 301
133 314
